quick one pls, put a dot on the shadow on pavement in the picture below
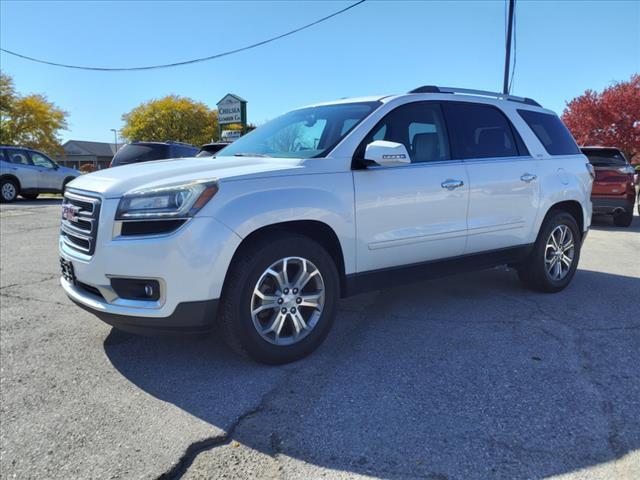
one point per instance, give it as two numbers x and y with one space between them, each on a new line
38 202
465 377
605 222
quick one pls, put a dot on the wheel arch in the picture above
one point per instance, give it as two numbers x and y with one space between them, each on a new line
15 179
572 207
316 230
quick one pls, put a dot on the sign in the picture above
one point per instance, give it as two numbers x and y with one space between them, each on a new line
232 109
230 135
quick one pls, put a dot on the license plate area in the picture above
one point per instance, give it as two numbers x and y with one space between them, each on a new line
67 271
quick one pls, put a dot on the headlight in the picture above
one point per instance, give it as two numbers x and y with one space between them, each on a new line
166 202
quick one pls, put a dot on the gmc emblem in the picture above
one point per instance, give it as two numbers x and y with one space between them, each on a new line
70 212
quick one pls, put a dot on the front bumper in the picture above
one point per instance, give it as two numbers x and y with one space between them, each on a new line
187 316
190 265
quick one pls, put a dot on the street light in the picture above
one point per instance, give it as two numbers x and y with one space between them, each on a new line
115 139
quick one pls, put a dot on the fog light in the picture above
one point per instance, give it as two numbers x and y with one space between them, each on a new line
136 288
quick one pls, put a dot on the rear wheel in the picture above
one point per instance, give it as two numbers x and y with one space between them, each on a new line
552 263
623 219
8 190
279 299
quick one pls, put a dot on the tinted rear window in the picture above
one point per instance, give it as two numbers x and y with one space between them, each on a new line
604 158
140 153
551 132
479 131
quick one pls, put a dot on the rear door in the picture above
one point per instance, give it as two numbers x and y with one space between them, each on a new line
411 213
504 192
22 168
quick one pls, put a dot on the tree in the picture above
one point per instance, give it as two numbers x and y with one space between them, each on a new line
30 121
610 118
171 118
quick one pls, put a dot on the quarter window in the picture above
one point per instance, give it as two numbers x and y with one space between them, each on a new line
419 127
479 131
551 132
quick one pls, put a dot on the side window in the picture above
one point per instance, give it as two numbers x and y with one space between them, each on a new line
20 157
419 127
41 161
479 131
551 132
2 157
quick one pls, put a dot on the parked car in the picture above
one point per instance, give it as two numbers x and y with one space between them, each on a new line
137 152
210 149
28 173
328 201
614 191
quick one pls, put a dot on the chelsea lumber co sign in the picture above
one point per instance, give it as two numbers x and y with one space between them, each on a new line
232 109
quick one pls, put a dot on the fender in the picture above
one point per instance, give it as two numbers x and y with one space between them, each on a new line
247 205
564 179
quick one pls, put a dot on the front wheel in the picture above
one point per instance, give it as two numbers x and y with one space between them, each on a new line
552 263
279 299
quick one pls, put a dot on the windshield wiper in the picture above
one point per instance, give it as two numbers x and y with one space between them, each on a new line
243 154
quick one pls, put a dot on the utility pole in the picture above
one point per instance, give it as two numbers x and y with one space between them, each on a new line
505 86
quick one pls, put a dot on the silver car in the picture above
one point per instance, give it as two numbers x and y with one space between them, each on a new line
28 173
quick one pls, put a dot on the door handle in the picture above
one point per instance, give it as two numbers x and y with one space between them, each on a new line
528 177
451 184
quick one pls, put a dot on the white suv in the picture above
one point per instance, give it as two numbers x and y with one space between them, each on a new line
323 202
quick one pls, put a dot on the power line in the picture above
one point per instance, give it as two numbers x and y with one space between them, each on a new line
186 62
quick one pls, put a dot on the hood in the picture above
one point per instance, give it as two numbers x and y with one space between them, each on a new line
114 182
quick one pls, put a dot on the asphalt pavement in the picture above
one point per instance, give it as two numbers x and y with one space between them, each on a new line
468 377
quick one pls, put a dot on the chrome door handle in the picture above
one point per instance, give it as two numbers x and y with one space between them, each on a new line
451 184
528 177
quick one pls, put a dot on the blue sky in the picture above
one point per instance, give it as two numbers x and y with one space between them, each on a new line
379 47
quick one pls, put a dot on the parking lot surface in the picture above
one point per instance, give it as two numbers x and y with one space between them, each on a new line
459 378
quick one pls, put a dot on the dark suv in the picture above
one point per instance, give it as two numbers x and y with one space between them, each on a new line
146 151
614 190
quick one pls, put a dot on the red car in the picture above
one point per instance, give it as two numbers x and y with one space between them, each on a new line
614 190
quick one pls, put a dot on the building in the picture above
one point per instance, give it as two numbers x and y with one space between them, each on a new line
78 153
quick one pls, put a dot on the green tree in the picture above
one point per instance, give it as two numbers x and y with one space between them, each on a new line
31 121
171 118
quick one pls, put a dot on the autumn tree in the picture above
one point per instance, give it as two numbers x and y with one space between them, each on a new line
171 118
610 118
31 120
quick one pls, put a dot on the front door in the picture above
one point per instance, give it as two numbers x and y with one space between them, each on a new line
416 212
504 194
48 177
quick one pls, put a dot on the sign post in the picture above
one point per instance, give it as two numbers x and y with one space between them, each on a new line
232 110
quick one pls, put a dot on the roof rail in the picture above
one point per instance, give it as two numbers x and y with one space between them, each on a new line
467 91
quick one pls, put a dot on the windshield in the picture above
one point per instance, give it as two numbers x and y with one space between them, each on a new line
305 133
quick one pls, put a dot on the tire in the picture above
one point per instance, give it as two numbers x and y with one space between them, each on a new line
29 196
240 324
539 271
8 190
623 219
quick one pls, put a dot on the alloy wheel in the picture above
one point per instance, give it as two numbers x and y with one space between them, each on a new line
559 252
287 301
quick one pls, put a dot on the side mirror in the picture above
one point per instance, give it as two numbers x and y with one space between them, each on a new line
387 154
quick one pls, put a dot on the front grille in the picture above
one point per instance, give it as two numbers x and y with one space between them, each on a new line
79 227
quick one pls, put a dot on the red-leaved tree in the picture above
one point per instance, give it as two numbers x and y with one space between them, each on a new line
610 118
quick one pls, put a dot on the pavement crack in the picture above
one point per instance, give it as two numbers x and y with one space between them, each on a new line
32 299
46 279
